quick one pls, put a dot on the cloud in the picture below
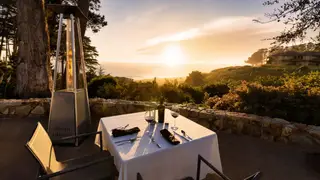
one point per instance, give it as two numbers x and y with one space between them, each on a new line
191 33
222 25
145 15
228 38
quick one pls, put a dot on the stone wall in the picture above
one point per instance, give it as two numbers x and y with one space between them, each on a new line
24 108
272 129
41 107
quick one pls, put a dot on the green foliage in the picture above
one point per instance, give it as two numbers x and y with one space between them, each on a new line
229 102
101 86
195 78
284 92
90 54
233 75
108 91
269 80
7 79
300 17
142 91
257 57
212 101
172 93
217 89
195 93
296 98
90 74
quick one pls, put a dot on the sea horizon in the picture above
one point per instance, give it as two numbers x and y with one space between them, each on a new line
141 71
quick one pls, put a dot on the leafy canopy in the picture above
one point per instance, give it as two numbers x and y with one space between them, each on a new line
300 16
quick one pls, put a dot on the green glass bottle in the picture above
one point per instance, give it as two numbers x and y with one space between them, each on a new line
161 109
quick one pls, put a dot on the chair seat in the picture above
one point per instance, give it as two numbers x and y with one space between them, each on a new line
210 176
104 170
64 152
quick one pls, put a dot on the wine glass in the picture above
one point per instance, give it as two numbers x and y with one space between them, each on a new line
149 116
175 114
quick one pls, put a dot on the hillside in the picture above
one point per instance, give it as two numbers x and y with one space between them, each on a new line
236 74
250 73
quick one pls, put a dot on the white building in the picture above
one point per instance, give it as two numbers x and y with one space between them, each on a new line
295 58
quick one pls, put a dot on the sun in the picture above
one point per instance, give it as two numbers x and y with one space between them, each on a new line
173 55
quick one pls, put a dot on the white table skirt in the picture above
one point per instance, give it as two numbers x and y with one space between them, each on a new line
166 163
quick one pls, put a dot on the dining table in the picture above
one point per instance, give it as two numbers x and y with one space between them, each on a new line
150 154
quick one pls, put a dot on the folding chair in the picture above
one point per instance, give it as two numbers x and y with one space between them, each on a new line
255 176
96 166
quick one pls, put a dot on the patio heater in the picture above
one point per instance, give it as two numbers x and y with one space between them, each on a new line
69 111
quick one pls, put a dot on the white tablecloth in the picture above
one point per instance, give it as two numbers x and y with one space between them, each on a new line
153 163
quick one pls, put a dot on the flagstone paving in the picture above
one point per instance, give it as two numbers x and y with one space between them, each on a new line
241 155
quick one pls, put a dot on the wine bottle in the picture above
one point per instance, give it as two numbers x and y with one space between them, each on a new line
161 109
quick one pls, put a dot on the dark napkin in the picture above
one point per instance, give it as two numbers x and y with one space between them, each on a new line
123 132
169 137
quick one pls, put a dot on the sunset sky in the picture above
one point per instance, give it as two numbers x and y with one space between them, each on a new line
168 38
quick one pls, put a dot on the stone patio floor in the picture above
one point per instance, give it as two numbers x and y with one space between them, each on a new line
240 155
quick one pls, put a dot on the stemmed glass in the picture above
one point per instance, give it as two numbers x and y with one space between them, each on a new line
175 114
149 116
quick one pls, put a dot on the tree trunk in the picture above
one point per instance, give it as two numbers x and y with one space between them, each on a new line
34 77
7 50
1 45
15 45
2 32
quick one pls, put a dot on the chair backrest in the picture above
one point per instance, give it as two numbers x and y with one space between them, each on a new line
201 159
40 146
255 176
139 177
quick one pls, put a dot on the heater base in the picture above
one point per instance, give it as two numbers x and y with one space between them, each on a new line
69 115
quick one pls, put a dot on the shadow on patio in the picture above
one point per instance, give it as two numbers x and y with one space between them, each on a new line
241 155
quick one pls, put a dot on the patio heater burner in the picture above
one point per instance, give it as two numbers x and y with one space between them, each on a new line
69 111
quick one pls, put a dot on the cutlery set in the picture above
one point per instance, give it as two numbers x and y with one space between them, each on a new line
132 140
184 136
152 139
124 127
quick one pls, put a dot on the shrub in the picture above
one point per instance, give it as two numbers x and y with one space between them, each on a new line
229 102
212 101
293 102
171 92
216 89
269 80
108 91
96 87
173 95
195 78
7 80
194 93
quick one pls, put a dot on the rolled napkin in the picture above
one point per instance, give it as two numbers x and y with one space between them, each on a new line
169 137
123 132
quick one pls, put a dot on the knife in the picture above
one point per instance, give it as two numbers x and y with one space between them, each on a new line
152 139
131 139
185 134
182 136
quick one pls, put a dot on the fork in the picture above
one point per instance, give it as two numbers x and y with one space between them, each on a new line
131 139
126 141
124 127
